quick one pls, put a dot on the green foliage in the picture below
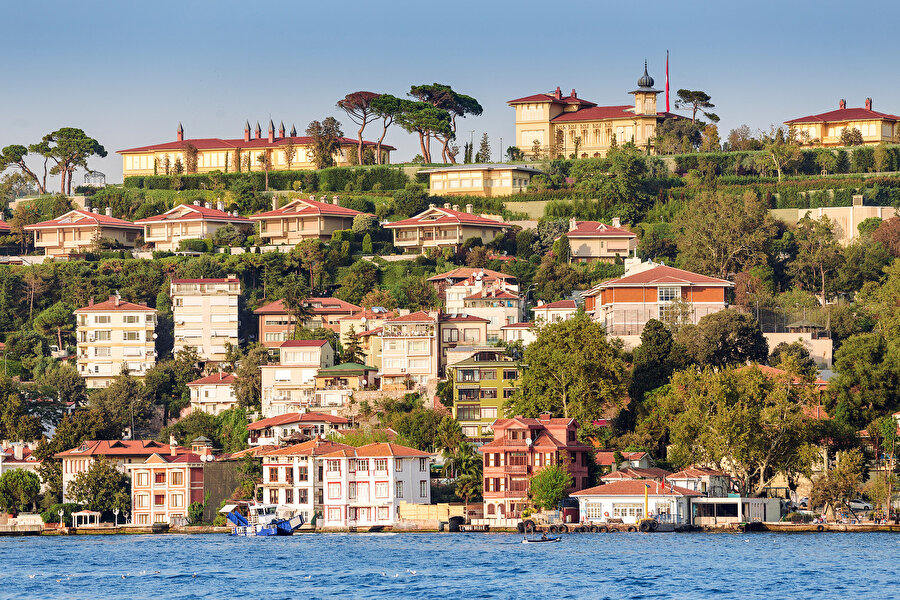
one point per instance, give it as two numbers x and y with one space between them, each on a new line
837 486
411 200
795 359
19 490
549 486
51 515
102 488
724 338
655 359
189 245
195 513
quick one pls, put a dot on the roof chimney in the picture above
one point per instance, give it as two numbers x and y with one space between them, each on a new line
258 131
208 205
545 416
558 93
247 132
114 298
469 208
293 131
456 207
274 202
180 133
616 222
172 445
431 205
18 451
868 104
90 302
572 223
842 104
220 206
335 200
271 132
446 205
574 95
108 211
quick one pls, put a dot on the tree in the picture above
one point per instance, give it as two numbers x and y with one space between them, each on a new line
265 161
102 488
739 421
358 281
654 360
888 234
484 150
411 200
696 101
14 156
841 484
710 139
742 139
867 381
795 359
818 253
449 440
881 156
389 108
311 255
573 372
195 513
417 293
364 223
536 149
290 152
195 425
719 235
352 351
19 490
294 293
358 106
851 137
549 486
827 161
514 154
53 321
457 105
326 142
725 338
781 153
247 384
69 148
232 430
124 404
367 244
562 252
191 155
426 121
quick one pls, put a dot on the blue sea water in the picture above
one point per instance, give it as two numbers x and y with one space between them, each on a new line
458 566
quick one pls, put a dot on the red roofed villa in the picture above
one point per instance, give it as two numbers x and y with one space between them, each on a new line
276 323
303 219
825 129
591 241
444 227
310 424
79 231
189 221
213 394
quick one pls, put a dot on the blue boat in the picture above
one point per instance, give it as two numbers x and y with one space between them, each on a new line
261 520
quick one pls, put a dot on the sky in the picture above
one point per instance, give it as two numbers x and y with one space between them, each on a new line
128 72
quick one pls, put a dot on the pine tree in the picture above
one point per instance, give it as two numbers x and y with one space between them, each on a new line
353 352
484 150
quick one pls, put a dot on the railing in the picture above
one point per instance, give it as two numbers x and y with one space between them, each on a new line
516 468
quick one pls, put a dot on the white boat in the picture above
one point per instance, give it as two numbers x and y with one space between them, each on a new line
261 519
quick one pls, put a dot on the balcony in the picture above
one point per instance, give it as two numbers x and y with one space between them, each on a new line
516 469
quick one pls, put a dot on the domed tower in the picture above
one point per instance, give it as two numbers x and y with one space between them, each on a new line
645 95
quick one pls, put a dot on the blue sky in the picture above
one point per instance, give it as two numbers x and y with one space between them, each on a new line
128 72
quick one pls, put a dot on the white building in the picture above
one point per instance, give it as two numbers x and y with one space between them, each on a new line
114 334
519 332
709 482
291 384
624 500
554 312
272 430
213 394
18 455
409 351
205 312
365 486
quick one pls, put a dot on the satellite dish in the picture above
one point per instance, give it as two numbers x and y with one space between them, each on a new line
528 441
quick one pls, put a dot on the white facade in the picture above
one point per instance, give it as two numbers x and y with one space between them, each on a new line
290 385
520 332
213 394
597 507
554 312
409 351
205 312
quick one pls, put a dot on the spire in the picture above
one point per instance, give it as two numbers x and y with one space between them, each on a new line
258 130
247 131
271 137
281 130
293 130
180 132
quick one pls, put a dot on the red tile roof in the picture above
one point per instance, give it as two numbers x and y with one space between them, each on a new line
302 206
528 325
416 317
379 449
4 227
535 98
118 448
313 447
636 487
637 473
226 280
331 306
272 308
9 457
592 229
375 331
215 379
600 113
463 273
114 303
845 114
447 216
218 143
558 304
774 372
253 451
81 218
303 343
696 472
491 295
463 318
605 458
296 417
370 314
192 212
664 274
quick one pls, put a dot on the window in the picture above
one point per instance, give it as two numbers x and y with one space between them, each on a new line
667 294
488 392
102 352
398 489
102 336
423 464
302 496
334 466
398 465
132 336
143 519
362 464
159 500
351 490
288 496
159 478
273 474
423 489
488 374
101 319
450 335
381 465
131 319
282 374
471 335
334 490
303 474
628 510
488 412
468 412
383 514
594 510
273 496
176 500
509 392
381 489
143 479
177 478
142 500
334 514
507 374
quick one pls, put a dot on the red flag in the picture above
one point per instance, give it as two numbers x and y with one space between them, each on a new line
667 81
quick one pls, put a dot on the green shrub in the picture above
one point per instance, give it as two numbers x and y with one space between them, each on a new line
195 513
195 245
51 515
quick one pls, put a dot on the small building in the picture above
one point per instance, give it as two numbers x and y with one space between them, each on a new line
364 486
18 455
593 241
213 394
486 180
366 325
624 500
481 384
648 473
554 312
303 219
498 307
459 275
290 385
111 335
709 482
521 447
335 385
444 228
825 129
459 330
205 312
731 510
409 348
606 459
519 332
165 232
5 229
80 231
272 430
276 323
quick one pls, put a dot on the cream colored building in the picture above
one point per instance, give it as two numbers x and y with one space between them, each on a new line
290 385
824 129
558 125
237 155
409 351
444 228
591 241
189 222
213 394
205 312
367 325
519 332
80 231
479 180
845 219
303 219
554 312
113 335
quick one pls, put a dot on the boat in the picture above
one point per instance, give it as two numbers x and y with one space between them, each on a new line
541 540
260 520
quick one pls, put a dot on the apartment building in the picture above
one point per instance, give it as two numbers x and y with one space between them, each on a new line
291 384
592 241
303 219
521 447
336 385
205 312
409 351
80 231
213 394
276 323
364 486
367 325
481 384
519 332
457 330
304 424
459 275
165 232
164 486
438 227
112 335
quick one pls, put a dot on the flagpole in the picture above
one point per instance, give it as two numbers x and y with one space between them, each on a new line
667 81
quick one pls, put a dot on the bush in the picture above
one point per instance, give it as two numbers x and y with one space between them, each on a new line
195 513
51 515
195 246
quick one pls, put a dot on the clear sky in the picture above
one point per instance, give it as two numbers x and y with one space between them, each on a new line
128 71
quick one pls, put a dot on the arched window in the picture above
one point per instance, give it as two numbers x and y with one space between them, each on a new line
491 509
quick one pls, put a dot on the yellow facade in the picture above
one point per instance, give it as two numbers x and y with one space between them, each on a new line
825 129
80 231
205 312
479 180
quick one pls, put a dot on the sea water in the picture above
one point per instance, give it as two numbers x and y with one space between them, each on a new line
457 566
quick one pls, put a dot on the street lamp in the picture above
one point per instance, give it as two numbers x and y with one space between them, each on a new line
61 522
116 513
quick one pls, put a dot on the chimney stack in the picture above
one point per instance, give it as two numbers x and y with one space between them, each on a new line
180 133
572 223
868 104
469 209
446 205
90 302
258 131
220 206
431 205
842 104
558 93
456 207
335 200
616 222
545 416
172 445
208 205
18 451
247 131
108 211
574 95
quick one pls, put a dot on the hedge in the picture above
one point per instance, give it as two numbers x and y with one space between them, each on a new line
860 159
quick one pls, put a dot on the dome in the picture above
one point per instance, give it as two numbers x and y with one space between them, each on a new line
645 81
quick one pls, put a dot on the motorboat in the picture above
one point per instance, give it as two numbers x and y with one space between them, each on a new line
541 540
259 520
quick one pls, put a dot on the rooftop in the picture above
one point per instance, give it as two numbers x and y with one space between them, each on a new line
114 304
79 218
591 229
215 379
297 417
662 275
636 487
438 216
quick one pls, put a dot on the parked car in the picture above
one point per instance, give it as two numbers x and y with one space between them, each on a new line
859 504
804 502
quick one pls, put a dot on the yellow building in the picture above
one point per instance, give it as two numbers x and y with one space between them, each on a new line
556 125
80 231
301 219
189 221
205 312
824 129
444 228
241 154
479 180
111 335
